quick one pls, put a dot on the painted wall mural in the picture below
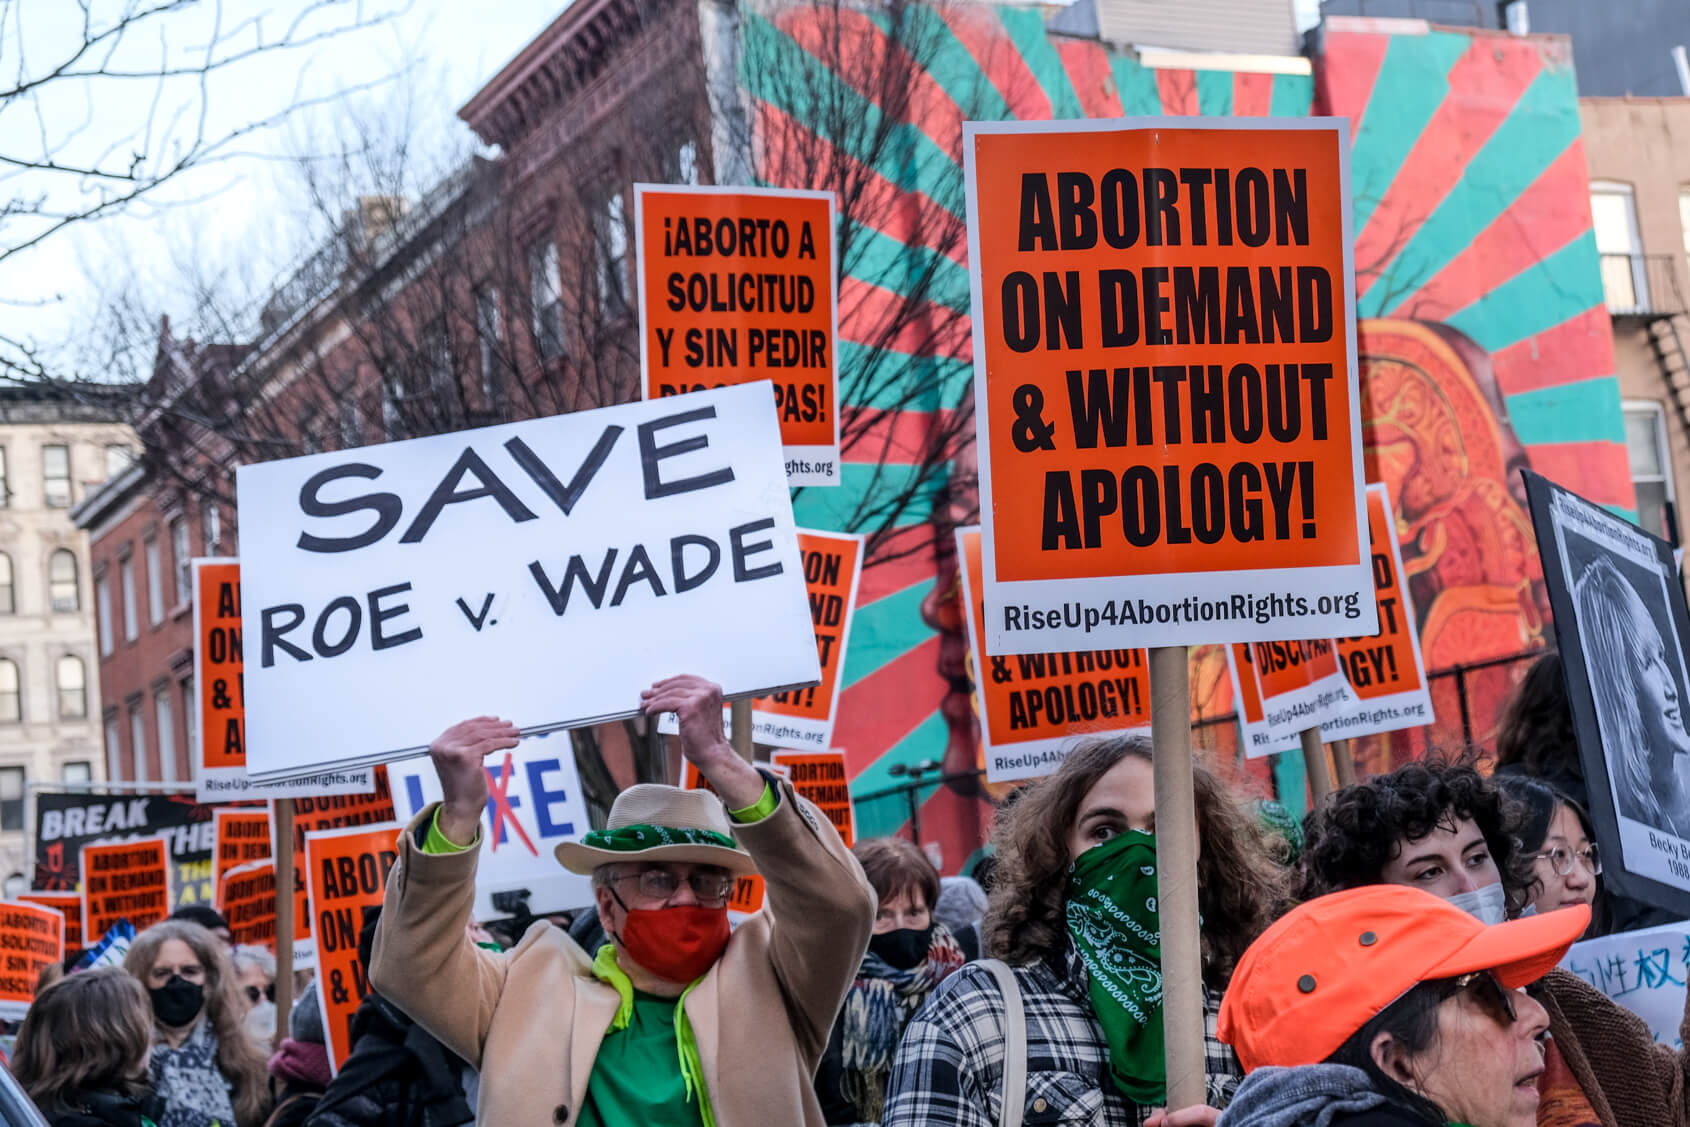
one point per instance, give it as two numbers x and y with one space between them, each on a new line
1485 344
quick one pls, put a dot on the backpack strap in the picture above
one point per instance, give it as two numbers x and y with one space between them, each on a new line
1014 1093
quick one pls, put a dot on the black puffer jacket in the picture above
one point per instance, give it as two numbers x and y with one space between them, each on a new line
397 1076
108 1109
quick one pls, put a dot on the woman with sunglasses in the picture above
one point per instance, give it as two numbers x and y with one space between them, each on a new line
1385 1006
1558 837
255 976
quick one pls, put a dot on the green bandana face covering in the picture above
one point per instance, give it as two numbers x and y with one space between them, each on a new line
1113 921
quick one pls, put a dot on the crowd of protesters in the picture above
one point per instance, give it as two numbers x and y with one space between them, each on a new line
1389 961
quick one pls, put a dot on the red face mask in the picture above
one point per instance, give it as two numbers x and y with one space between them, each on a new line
676 944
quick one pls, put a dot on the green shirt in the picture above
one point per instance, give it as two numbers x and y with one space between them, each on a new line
640 1075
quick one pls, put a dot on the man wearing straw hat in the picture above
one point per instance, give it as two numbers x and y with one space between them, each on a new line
673 1021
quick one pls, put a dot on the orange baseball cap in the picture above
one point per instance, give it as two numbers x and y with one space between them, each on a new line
1327 967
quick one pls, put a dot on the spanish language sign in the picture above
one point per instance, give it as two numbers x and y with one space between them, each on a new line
1034 708
1644 971
243 836
820 777
31 939
1166 385
737 284
399 588
65 823
128 880
220 736
1386 672
68 905
534 804
347 873
1623 630
246 895
317 815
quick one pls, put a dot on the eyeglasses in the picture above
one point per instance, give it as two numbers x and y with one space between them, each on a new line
710 889
1561 860
1490 995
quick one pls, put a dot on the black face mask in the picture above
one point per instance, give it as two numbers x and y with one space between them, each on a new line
903 947
178 1002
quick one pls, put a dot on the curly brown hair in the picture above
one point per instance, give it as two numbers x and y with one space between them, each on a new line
1239 887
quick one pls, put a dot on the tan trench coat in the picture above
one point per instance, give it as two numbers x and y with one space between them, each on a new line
531 1019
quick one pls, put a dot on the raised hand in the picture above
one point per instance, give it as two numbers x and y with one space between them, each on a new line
457 754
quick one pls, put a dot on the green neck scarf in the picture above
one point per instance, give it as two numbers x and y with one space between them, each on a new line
1113 923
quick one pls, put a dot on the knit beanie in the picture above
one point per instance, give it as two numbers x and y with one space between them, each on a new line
305 1024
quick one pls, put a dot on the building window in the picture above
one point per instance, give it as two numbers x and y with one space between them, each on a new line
489 327
72 677
183 561
1651 464
11 798
138 740
118 457
77 771
351 423
610 240
11 693
683 163
155 582
166 717
545 298
62 586
126 579
1613 213
310 434
8 600
114 747
55 475
102 611
211 525
190 714
5 492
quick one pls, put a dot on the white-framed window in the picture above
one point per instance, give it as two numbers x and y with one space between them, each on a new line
5 490
102 611
11 692
118 457
76 771
545 298
183 561
12 790
351 423
190 712
1651 462
114 746
8 588
610 245
55 476
211 528
64 587
72 682
489 336
165 715
155 581
1613 214
126 583
686 162
138 740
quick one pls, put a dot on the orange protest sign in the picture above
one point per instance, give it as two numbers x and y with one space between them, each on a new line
246 895
31 937
243 836
737 285
319 814
347 874
68 905
820 777
1285 688
804 717
1165 382
1386 671
747 895
129 880
1033 707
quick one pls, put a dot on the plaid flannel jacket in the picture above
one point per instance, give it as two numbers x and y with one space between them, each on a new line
949 1067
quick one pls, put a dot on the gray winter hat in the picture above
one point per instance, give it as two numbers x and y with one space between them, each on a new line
306 1022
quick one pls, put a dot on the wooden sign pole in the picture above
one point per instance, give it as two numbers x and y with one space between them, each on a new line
284 917
1176 862
1344 760
1314 764
740 712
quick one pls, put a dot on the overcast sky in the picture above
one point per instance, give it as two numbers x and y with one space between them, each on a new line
238 212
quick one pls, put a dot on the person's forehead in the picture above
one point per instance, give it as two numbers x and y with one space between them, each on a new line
1451 833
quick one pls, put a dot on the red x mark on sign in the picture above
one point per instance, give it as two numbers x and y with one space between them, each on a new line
502 811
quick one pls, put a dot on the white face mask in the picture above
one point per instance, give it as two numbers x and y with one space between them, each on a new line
1487 905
